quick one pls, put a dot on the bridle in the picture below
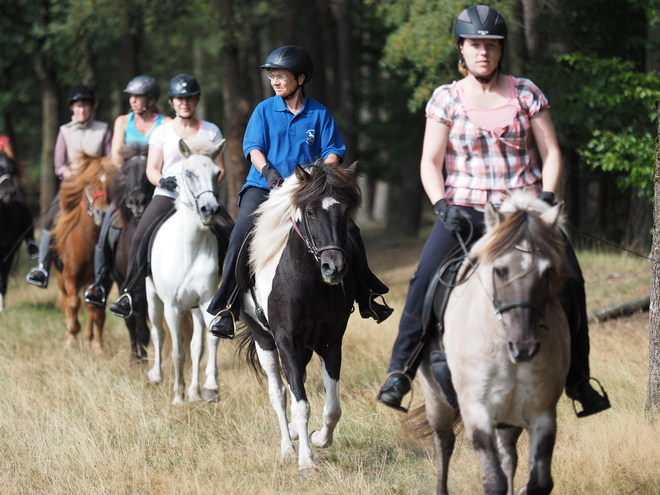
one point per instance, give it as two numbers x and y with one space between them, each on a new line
309 240
90 199
195 208
502 307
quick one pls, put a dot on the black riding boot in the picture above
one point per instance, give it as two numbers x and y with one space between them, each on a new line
224 323
39 274
96 292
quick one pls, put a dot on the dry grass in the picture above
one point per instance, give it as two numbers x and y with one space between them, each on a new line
73 422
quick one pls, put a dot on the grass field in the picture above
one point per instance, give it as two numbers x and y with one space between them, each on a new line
72 422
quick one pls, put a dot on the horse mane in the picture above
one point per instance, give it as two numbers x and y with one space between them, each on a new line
273 217
90 169
521 222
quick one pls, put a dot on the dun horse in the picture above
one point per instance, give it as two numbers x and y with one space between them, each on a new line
185 272
131 192
302 297
83 202
507 341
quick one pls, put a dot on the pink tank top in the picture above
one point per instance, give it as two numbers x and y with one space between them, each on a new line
492 118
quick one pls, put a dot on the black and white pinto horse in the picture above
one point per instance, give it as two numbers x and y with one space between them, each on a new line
507 346
302 296
131 192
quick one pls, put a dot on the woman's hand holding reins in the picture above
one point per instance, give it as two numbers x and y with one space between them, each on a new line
452 217
168 183
273 177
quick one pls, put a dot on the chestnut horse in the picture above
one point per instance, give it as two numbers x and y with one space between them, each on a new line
83 202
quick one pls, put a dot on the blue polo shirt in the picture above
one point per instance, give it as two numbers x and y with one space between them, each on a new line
287 140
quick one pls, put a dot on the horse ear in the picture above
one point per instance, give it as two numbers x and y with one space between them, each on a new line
301 173
218 149
551 217
493 217
183 147
352 169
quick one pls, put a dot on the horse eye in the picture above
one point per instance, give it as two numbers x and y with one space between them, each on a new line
309 212
189 174
502 273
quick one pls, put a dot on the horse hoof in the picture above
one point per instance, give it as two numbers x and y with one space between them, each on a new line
154 377
317 441
211 395
307 471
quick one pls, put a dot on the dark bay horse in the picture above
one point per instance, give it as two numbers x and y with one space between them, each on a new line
130 191
302 296
83 202
507 341
15 221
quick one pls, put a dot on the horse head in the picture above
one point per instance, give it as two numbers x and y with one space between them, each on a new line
524 249
7 171
137 190
324 200
87 187
199 190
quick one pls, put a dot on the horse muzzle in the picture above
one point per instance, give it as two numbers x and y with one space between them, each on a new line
333 266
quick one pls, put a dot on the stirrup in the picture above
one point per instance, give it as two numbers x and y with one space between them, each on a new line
219 316
372 313
603 395
97 303
125 295
37 269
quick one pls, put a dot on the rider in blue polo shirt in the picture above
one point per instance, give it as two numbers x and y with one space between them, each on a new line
286 130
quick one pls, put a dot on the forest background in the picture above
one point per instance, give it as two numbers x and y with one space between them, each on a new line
376 64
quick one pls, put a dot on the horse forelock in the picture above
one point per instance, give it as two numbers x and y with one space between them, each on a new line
328 181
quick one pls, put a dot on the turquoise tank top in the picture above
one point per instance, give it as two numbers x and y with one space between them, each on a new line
132 135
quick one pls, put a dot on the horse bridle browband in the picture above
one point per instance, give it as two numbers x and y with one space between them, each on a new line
309 240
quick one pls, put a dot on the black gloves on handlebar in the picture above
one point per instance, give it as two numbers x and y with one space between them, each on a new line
453 217
273 177
168 183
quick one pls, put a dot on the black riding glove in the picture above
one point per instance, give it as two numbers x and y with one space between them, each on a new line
453 217
273 177
168 183
548 197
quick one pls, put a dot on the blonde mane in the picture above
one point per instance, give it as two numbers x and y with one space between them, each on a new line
273 224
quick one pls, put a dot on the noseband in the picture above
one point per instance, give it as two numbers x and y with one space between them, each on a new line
309 240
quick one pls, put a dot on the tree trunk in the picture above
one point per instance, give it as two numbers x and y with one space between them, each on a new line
236 108
653 388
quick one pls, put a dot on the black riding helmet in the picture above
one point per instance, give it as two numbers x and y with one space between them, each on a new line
182 86
292 58
480 22
81 92
143 85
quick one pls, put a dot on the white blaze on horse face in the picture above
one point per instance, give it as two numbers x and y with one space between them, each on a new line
328 202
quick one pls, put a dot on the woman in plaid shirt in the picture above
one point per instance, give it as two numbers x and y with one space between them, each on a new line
490 133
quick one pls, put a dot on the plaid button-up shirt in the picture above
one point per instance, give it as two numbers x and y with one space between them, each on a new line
481 164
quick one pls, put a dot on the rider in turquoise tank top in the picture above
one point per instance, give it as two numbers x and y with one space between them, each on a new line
132 135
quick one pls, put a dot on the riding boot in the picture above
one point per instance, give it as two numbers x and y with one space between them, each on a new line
39 274
578 381
396 386
32 249
96 293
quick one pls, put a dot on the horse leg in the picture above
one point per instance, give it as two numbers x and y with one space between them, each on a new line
331 410
480 432
269 359
307 355
507 437
173 317
96 320
196 350
155 374
542 435
299 404
210 393
71 303
141 332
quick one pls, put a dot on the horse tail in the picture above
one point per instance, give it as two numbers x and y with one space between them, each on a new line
246 350
417 425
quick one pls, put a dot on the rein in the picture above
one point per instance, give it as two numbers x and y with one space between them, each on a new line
309 240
